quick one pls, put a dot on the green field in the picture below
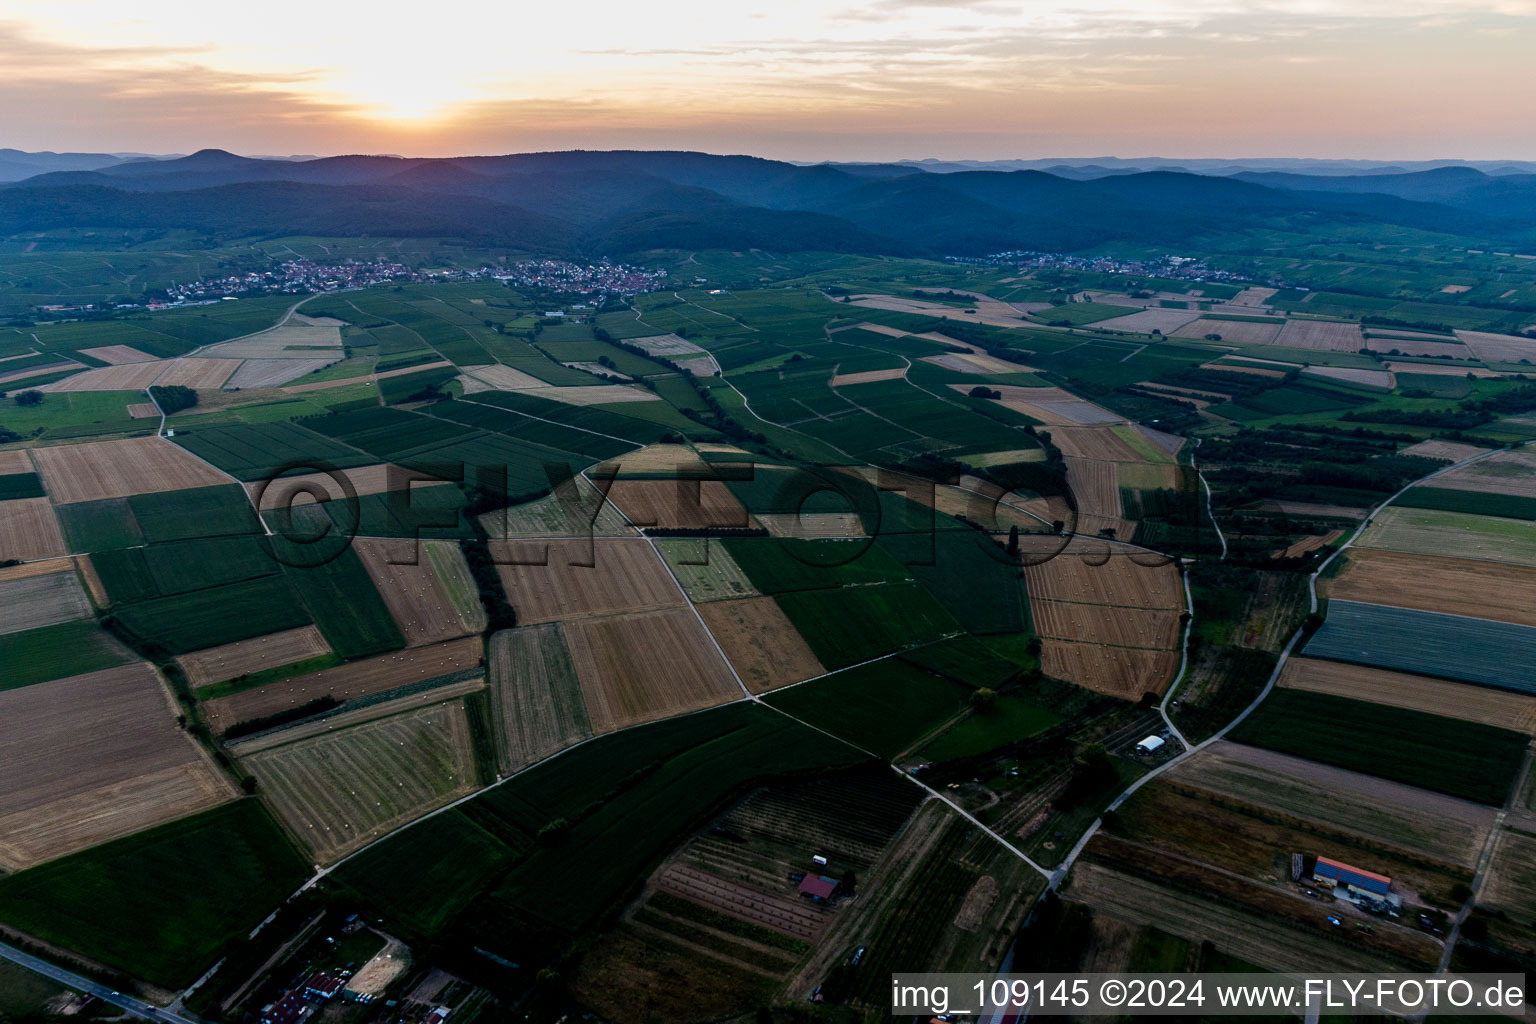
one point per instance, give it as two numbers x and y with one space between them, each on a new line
218 615
1447 755
1447 499
854 624
20 485
54 652
777 565
346 606
161 905
1497 654
884 707
217 511
1011 719
1455 534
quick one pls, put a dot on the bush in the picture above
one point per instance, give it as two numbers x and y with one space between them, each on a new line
29 398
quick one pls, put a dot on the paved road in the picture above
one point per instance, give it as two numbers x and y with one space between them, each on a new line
107 995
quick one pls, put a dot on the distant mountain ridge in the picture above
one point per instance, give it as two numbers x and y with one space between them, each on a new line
625 201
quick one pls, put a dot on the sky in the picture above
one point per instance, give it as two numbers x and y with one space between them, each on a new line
790 79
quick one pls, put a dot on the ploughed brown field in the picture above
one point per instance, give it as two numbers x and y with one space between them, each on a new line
1093 443
1154 628
354 679
1461 586
639 668
1121 580
760 642
216 664
115 355
126 377
116 469
626 576
679 504
199 373
29 530
95 757
1421 693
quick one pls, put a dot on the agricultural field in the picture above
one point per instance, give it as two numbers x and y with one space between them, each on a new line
426 586
848 625
1419 693
339 791
536 701
1459 758
256 655
647 665
1454 534
116 469
678 504
1429 643
1439 827
1464 586
569 579
760 643
706 570
29 530
36 601
95 757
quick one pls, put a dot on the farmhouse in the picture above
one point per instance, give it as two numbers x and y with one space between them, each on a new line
819 888
290 1009
322 987
1356 882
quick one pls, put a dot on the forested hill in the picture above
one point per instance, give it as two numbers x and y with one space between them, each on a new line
612 203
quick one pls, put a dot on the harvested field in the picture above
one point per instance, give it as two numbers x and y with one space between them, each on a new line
1093 443
428 605
1484 590
1438 826
655 460
199 373
93 585
679 504
626 577
595 394
280 343
1157 629
325 385
536 700
116 469
92 758
29 530
1321 335
1445 451
639 668
1420 693
718 578
36 601
812 525
1369 378
127 377
868 376
1307 545
1235 364
1452 534
700 366
216 664
667 346
1252 297
34 371
1306 508
1095 486
1165 321
1498 348
143 410
271 373
118 354
364 480
1147 476
15 461
503 378
1240 331
988 311
1119 581
342 790
1124 672
1050 406
582 510
1441 369
1510 884
1512 472
355 679
27 570
760 643
1420 347
365 711
943 339
889 332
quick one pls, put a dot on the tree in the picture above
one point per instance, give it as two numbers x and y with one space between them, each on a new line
984 699
173 398
29 398
1013 540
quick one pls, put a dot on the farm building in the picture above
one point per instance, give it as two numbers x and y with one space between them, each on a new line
321 987
1149 745
1334 874
819 887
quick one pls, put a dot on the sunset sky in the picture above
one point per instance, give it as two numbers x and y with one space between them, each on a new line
795 79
